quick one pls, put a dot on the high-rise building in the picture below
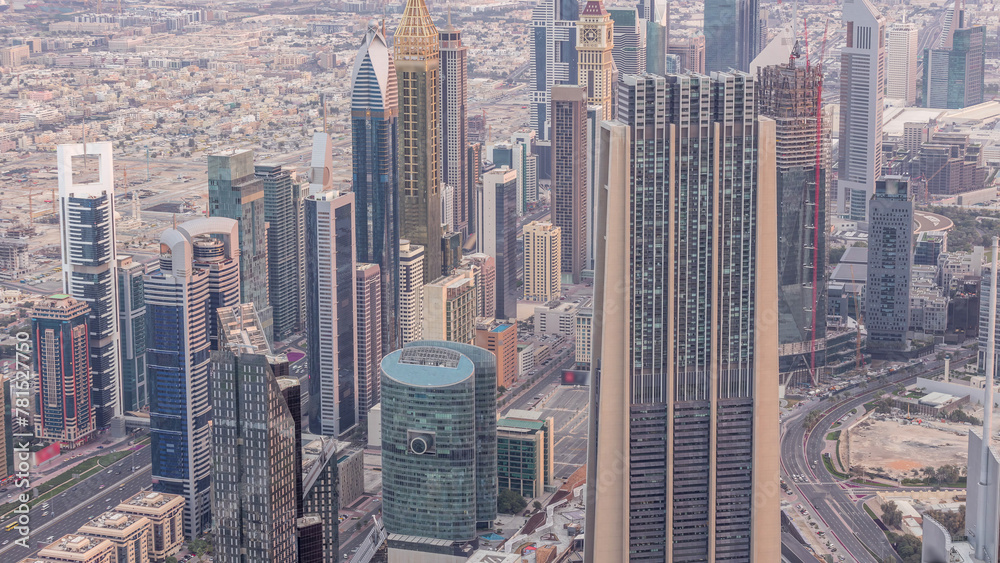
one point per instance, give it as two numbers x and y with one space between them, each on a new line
132 331
199 273
954 75
569 176
862 88
890 255
474 163
375 134
732 34
542 262
321 170
789 94
368 296
253 445
629 50
685 395
439 440
450 308
62 360
411 291
526 165
594 47
498 235
453 124
525 452
87 237
656 18
320 490
282 203
235 192
901 62
553 55
165 514
330 313
417 54
501 339
690 53
484 269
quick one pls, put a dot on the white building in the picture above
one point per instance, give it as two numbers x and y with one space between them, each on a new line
901 62
411 292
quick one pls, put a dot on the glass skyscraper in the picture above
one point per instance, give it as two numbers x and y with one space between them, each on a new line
732 34
890 256
132 328
282 202
553 55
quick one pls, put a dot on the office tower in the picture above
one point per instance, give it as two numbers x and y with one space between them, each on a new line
498 235
542 262
691 54
450 308
411 291
526 164
87 237
654 15
321 171
501 339
439 440
553 56
368 296
629 50
732 34
593 132
447 209
594 51
474 164
452 122
330 313
375 138
569 176
131 535
321 496
417 55
890 255
7 430
954 75
165 513
198 274
282 202
862 88
253 445
525 448
234 191
62 359
685 399
132 333
484 269
789 94
901 62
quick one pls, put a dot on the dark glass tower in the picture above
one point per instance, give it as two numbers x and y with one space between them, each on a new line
282 200
553 55
732 34
132 330
890 255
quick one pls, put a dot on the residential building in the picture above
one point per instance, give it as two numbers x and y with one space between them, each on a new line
553 56
690 53
12 57
732 34
498 235
331 313
569 177
165 514
688 368
375 144
556 318
542 262
584 335
76 548
449 308
368 297
890 256
282 207
197 275
87 237
901 62
131 535
411 291
253 445
594 46
525 453
235 192
132 333
629 47
453 123
61 356
501 339
417 55
484 273
862 87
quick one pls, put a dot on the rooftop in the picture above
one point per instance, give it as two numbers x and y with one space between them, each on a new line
427 366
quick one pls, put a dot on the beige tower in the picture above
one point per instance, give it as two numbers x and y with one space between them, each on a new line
595 40
542 258
411 291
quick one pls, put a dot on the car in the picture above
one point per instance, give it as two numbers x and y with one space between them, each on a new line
102 486
5 542
90 506
46 513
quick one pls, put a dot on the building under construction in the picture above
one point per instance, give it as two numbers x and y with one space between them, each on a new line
13 258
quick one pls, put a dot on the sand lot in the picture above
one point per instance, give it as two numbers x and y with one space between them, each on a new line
899 448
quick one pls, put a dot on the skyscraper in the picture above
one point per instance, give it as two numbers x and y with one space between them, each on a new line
629 50
235 192
87 237
331 314
732 34
411 291
375 137
500 339
498 235
282 201
132 330
553 55
655 16
954 75
542 263
452 122
474 163
198 274
368 296
862 87
450 308
484 269
594 51
62 358
681 463
901 62
569 176
253 445
890 255
418 58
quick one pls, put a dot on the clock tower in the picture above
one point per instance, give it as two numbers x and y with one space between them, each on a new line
595 40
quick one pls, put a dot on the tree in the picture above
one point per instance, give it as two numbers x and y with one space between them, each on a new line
891 515
537 505
908 547
836 253
510 502
171 559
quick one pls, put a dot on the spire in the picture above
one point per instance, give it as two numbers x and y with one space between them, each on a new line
416 35
594 8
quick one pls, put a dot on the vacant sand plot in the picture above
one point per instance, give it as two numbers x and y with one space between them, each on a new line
899 448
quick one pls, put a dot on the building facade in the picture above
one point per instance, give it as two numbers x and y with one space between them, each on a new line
450 308
569 176
542 262
901 62
166 516
484 272
453 123
890 255
525 453
500 339
553 56
594 47
368 297
411 291
629 49
132 333
732 34
498 235
954 75
282 206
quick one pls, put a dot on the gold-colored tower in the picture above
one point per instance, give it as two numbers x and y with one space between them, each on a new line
418 57
595 40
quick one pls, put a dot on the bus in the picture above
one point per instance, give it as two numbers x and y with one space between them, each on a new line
11 525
